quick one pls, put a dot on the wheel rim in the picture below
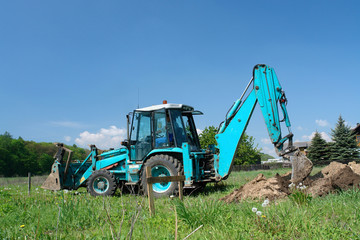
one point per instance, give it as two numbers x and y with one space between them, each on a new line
101 185
160 171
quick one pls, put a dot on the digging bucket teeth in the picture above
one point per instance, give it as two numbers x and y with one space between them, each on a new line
53 180
301 167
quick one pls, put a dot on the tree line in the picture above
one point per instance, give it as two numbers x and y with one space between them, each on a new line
342 148
18 157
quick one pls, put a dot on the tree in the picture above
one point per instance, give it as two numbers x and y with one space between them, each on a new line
45 162
247 152
318 151
207 137
344 146
7 161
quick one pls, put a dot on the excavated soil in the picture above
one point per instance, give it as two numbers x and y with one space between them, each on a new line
335 176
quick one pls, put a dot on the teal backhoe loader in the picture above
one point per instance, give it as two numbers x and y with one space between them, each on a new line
164 137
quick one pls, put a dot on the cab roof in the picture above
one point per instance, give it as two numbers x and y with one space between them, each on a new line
166 106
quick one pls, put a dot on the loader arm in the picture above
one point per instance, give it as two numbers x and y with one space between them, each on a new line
267 91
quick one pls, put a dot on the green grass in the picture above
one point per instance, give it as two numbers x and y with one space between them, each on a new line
35 180
77 215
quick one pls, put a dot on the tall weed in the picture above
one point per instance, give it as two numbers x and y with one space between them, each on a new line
199 212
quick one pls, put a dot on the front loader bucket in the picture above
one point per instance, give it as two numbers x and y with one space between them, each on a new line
53 180
301 167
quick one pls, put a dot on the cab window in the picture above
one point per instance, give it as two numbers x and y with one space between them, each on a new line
141 135
178 126
164 136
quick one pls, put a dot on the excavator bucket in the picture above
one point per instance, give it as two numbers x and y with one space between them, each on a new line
53 180
301 167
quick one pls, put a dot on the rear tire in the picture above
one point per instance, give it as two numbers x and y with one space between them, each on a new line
162 165
101 183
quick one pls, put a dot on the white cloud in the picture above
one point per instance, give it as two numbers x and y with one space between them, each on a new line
199 131
323 135
300 128
266 141
104 139
322 123
67 138
270 151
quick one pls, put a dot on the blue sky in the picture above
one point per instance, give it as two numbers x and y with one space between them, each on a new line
71 70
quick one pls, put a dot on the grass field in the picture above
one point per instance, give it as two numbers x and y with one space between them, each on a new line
77 215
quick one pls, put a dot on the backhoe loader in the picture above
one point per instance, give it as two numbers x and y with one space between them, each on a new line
164 137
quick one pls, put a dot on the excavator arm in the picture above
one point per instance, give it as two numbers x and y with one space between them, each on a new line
267 91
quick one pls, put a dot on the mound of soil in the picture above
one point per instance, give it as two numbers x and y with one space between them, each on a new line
355 167
333 177
260 187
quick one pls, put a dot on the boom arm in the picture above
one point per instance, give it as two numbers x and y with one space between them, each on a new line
269 94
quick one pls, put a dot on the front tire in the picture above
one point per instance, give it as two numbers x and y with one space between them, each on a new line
101 183
161 166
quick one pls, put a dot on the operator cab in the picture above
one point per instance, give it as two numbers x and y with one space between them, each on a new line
161 127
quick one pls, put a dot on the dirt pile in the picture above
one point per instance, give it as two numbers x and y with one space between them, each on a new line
333 177
355 167
260 187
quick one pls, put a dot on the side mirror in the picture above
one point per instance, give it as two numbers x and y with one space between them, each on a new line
125 143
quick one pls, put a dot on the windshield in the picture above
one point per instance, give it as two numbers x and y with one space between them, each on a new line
185 130
178 127
164 136
141 135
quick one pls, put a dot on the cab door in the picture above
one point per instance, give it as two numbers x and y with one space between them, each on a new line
141 136
163 130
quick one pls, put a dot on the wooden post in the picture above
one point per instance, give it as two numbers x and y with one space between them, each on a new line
150 192
180 188
29 183
150 180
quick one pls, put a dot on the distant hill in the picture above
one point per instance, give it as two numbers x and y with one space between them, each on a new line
18 157
265 157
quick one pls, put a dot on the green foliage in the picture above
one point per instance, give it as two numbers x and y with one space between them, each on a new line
345 145
298 195
78 153
18 157
199 213
247 152
265 157
318 151
207 137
